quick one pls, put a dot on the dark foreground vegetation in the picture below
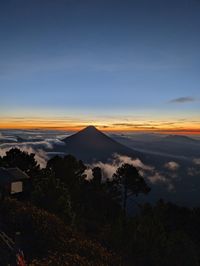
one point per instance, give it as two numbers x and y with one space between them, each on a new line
65 219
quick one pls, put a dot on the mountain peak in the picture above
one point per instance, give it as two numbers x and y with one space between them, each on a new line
90 131
90 128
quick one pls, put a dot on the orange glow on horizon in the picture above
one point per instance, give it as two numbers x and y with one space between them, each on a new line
157 127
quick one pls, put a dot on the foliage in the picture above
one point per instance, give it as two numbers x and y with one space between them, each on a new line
160 235
24 161
68 169
71 172
51 194
127 178
46 236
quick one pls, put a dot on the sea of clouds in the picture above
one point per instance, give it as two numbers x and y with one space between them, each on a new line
38 142
30 141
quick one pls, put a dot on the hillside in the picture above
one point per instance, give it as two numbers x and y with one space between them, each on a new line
48 241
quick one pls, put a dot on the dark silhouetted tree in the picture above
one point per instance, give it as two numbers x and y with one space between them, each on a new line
24 161
71 172
127 179
1 162
68 169
97 176
51 194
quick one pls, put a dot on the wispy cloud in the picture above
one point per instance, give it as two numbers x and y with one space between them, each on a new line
187 99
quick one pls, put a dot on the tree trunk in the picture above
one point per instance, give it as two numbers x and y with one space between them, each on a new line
125 199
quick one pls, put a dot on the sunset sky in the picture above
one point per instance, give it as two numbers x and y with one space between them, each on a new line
117 64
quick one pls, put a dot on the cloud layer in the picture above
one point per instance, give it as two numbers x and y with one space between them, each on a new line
149 172
31 142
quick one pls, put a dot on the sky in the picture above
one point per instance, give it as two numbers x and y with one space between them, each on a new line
118 64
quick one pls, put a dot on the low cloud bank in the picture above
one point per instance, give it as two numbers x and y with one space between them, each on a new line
109 168
147 171
46 143
36 147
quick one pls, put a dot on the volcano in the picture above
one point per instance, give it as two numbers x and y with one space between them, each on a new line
90 144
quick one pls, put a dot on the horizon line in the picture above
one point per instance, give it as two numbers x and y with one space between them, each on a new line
108 129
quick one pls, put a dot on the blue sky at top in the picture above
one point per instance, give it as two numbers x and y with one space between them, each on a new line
102 56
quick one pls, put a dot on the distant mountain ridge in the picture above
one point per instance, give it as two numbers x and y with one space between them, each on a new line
180 138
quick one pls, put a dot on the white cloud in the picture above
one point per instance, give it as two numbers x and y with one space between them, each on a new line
172 166
196 161
109 168
157 177
160 178
147 171
192 171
